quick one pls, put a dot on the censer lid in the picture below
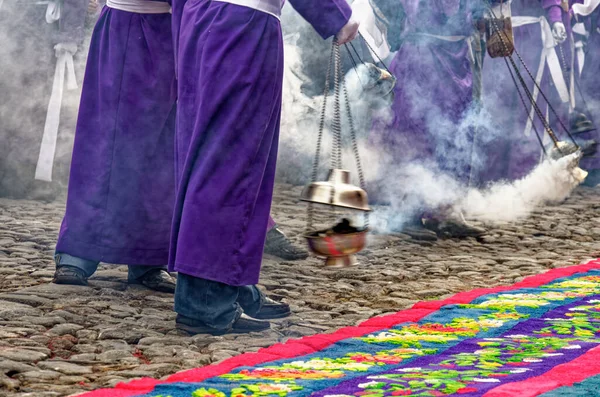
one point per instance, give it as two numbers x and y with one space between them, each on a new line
337 191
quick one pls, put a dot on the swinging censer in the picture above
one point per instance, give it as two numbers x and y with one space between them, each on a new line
338 244
560 148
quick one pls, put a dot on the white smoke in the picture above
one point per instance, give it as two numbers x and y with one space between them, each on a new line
413 188
549 183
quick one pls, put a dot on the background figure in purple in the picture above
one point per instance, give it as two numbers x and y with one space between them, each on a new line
508 152
230 75
29 32
590 79
122 187
432 96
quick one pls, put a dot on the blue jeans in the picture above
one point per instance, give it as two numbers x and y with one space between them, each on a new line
210 303
89 266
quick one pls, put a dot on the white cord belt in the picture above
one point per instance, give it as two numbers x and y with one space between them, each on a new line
140 6
64 65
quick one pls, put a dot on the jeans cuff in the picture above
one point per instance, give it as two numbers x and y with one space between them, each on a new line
88 266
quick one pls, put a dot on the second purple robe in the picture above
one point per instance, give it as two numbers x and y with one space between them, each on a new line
433 92
505 152
230 73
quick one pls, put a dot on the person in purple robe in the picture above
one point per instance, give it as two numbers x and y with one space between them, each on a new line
434 92
511 149
35 35
229 56
122 187
588 13
103 221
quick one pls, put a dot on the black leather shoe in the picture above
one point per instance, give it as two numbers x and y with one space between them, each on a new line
453 228
242 325
158 280
419 233
69 275
277 244
270 309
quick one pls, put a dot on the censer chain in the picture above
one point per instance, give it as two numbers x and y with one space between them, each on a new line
335 63
524 84
529 117
359 168
315 170
546 125
336 161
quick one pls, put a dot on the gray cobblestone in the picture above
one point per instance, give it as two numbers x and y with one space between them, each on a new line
57 340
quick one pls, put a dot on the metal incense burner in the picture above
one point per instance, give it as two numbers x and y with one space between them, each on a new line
380 82
559 148
380 85
339 243
337 191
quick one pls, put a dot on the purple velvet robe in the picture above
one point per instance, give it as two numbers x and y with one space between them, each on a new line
122 185
505 152
433 91
590 85
230 74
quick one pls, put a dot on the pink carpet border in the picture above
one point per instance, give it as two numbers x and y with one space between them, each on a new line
567 374
311 344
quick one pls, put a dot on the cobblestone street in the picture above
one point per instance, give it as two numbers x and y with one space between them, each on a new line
61 340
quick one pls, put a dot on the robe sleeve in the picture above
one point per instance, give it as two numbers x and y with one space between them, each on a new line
553 10
71 25
326 16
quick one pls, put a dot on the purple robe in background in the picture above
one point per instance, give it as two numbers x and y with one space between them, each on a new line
230 75
433 92
122 186
590 85
505 152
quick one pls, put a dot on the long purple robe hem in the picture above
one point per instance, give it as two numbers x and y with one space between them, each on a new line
122 186
230 72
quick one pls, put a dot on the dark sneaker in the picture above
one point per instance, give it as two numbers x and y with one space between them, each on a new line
242 325
277 244
158 280
69 275
270 309
419 232
453 228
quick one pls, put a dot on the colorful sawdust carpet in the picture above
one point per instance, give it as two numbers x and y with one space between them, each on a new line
538 337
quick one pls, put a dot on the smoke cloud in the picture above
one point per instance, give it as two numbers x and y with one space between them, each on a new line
410 189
